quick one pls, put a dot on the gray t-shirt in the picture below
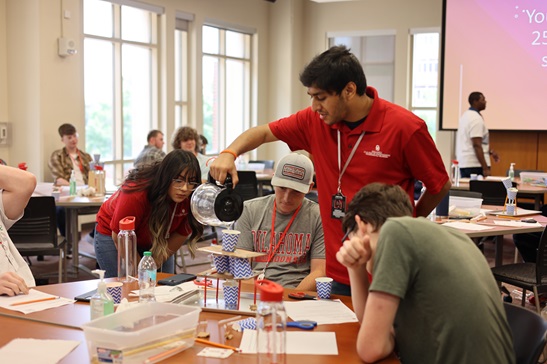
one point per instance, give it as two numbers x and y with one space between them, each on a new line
304 239
450 309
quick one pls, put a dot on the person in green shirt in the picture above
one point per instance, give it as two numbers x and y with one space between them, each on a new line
432 297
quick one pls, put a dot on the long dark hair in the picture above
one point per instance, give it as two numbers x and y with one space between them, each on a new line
156 179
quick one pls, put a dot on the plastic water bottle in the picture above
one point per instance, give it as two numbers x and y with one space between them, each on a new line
511 173
72 183
271 324
127 250
147 278
455 173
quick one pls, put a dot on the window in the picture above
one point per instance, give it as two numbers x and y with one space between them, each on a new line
376 52
226 76
120 81
425 76
181 69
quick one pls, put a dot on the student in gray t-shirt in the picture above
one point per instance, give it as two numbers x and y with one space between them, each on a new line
295 254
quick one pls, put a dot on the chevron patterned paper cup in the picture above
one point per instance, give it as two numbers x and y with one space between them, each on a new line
230 291
240 267
229 240
222 263
115 290
324 286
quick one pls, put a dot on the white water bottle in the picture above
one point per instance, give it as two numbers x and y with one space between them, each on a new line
455 173
147 278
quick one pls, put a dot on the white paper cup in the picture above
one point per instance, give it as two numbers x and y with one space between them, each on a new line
473 177
229 240
115 290
323 286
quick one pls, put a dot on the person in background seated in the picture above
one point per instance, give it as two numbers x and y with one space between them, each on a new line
202 144
287 227
16 187
153 151
473 142
63 161
187 138
424 277
158 195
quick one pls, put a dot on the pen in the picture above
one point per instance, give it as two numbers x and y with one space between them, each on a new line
346 235
218 345
34 301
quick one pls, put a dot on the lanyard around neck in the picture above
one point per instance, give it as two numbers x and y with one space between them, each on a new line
340 169
272 251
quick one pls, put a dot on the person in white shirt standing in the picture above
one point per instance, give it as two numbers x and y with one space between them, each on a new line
16 187
473 142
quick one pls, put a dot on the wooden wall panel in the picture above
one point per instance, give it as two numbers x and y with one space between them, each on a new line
542 151
519 147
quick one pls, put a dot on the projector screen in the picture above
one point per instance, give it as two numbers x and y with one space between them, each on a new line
499 48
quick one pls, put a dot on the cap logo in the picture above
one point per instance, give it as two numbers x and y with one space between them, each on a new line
292 171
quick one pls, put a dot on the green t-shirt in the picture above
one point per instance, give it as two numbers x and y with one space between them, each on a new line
450 309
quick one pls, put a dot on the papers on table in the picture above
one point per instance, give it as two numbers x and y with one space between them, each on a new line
43 301
467 226
321 311
169 293
313 343
514 223
34 351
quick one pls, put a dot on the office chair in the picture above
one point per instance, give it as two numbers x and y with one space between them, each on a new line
247 187
528 331
527 276
493 192
36 232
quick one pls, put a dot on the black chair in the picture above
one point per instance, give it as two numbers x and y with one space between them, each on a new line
528 276
36 232
493 192
462 193
528 329
247 187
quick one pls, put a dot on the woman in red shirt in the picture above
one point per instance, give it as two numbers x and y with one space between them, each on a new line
158 195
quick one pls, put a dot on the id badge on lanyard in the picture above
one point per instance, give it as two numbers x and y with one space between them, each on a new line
339 201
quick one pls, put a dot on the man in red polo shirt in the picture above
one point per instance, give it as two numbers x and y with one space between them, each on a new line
355 138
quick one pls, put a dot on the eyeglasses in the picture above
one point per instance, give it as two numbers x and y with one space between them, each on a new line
180 183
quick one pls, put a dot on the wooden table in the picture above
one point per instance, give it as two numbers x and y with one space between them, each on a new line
76 205
64 323
499 231
534 192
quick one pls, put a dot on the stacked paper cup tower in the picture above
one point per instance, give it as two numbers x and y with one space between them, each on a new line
510 206
238 267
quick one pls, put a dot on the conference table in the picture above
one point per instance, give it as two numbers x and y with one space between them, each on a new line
537 193
65 323
498 231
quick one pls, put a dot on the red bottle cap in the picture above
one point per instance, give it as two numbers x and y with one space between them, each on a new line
127 223
455 161
269 291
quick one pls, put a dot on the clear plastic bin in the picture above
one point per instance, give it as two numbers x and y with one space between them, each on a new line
534 178
135 334
464 207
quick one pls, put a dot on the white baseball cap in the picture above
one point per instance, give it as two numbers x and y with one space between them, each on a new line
294 171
